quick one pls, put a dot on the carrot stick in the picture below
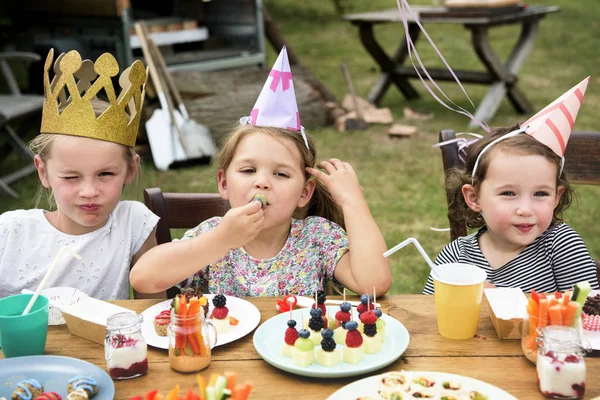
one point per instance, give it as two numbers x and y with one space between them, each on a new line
543 315
570 313
555 313
552 302
231 378
534 307
201 386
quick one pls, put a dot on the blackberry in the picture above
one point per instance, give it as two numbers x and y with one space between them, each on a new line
219 300
328 344
321 297
316 324
370 330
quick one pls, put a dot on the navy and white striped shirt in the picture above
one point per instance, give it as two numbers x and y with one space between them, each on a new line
556 260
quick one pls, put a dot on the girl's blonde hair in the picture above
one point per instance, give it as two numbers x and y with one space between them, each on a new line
322 203
41 145
522 144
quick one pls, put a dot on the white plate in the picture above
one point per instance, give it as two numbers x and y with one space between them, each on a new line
244 311
368 387
268 339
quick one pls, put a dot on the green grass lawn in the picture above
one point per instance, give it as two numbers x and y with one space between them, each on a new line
403 179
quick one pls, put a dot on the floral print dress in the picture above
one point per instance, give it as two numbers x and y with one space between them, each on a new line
305 263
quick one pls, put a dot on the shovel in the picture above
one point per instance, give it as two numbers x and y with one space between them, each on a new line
197 138
166 138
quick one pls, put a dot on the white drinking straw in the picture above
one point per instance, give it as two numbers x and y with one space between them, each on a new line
45 279
418 245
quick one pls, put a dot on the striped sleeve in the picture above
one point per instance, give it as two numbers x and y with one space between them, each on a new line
571 261
449 254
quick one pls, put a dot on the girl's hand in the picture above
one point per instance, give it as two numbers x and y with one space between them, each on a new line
340 180
241 225
486 284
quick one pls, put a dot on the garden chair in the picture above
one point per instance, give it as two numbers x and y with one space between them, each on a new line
16 107
582 166
186 211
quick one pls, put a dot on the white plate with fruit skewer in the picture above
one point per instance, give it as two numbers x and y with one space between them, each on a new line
269 338
246 314
411 382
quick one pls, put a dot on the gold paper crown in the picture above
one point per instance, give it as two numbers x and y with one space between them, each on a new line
70 111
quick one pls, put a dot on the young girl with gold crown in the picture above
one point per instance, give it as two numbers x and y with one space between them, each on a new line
291 238
84 156
514 190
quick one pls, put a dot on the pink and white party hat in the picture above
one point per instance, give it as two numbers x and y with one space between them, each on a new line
276 104
551 126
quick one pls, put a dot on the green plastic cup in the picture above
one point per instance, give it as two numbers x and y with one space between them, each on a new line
23 335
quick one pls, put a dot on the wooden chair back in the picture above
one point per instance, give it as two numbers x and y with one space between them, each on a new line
582 166
181 211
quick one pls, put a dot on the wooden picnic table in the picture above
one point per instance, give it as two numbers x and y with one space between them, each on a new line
500 76
485 357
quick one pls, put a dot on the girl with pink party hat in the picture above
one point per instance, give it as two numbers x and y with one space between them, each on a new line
285 230
514 190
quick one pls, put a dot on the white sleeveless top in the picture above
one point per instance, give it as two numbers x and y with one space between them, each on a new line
29 244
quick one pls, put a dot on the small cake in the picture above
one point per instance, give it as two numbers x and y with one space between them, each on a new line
371 340
161 322
328 355
220 314
354 351
291 334
86 383
380 325
590 314
315 325
339 334
49 396
79 394
303 353
27 389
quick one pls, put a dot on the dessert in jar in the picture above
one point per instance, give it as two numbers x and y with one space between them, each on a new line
189 334
125 349
560 363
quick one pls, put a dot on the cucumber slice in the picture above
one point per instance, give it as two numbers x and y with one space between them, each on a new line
226 394
220 385
581 292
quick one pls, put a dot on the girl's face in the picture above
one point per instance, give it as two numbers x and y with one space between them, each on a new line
86 177
264 164
517 198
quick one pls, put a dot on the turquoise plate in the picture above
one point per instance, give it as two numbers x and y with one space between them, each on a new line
268 339
53 372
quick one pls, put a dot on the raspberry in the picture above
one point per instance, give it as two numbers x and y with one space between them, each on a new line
342 316
370 330
291 334
220 312
571 358
361 308
316 323
328 344
354 339
219 300
368 317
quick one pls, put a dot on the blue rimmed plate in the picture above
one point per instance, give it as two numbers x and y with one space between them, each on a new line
53 372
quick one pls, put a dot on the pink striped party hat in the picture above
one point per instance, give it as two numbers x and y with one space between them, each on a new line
552 126
276 104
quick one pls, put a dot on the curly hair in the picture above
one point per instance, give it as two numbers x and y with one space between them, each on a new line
522 144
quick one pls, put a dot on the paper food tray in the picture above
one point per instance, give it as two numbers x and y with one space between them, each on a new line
508 308
87 318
